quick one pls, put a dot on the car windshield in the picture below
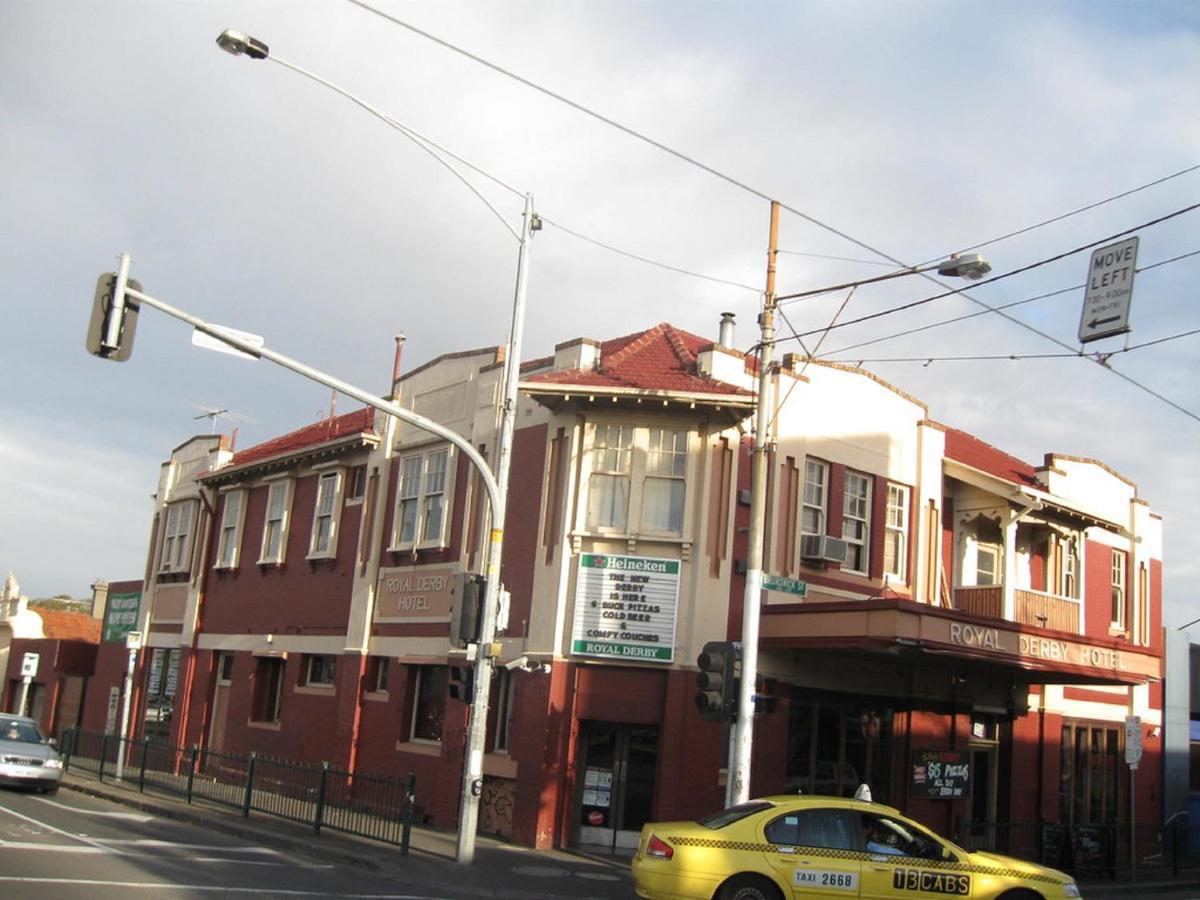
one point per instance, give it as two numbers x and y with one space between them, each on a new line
734 814
22 732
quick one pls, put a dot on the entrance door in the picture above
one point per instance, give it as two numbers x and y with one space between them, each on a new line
616 791
220 706
982 834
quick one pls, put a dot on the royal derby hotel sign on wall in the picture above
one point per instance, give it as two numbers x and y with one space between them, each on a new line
625 607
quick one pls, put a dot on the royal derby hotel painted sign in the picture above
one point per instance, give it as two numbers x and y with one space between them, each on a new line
625 607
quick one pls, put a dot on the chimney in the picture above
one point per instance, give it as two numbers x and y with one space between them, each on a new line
725 338
99 598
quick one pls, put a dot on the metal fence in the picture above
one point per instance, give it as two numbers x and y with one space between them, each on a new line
1109 850
381 807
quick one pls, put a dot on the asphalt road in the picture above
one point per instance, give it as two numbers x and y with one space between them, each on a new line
77 846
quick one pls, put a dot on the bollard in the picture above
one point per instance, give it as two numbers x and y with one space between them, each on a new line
319 812
249 785
103 754
191 779
410 798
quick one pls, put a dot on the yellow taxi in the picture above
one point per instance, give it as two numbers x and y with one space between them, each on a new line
779 848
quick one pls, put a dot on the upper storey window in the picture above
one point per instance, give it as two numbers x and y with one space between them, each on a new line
856 522
895 539
816 487
275 525
637 479
230 539
420 519
323 540
177 541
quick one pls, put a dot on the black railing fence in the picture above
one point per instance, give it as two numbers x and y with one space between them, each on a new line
381 807
1093 850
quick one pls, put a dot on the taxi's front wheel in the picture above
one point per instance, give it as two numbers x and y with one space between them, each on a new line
748 887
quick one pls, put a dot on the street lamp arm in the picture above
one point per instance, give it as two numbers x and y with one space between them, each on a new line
971 266
393 409
429 146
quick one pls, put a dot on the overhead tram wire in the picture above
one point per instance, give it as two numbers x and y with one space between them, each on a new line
711 171
1034 265
984 312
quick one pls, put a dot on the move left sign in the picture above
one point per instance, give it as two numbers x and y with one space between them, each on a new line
1108 291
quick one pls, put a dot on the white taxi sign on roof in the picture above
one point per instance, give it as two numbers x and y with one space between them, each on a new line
1108 291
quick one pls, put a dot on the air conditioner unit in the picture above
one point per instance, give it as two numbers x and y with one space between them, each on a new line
823 548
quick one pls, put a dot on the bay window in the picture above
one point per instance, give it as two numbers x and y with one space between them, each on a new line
637 480
177 537
421 500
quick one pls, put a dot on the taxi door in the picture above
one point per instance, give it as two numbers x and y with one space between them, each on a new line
813 852
904 862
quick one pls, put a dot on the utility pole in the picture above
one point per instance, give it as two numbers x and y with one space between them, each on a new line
743 739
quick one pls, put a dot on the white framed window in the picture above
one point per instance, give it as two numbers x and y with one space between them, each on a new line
356 484
608 485
177 537
665 484
421 500
320 670
230 540
377 674
895 536
987 565
323 540
1120 562
816 489
275 525
856 522
637 479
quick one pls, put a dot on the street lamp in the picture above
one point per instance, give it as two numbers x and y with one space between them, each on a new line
238 44
971 266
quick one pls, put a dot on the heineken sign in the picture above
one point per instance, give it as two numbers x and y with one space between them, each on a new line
625 607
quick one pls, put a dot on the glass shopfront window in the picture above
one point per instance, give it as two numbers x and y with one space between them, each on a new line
833 748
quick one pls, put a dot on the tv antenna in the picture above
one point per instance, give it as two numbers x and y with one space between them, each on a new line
212 413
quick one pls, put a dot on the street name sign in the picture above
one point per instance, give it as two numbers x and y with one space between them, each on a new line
785 585
1108 291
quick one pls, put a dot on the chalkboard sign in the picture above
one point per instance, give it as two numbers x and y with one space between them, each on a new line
941 774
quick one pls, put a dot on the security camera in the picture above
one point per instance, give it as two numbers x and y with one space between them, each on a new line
529 665
521 662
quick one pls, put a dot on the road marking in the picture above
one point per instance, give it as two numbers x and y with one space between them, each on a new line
57 848
214 888
66 834
154 842
132 817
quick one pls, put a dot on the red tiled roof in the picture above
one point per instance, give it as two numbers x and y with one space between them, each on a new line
69 626
308 436
662 358
971 451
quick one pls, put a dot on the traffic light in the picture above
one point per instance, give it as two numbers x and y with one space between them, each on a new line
107 338
466 613
717 680
462 683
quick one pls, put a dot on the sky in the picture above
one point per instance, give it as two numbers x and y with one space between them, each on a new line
253 197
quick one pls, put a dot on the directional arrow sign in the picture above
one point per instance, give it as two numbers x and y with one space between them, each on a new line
1109 290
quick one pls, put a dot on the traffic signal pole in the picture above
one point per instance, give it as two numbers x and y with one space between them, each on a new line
743 739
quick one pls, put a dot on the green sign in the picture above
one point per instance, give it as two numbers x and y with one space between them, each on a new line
625 607
785 585
121 615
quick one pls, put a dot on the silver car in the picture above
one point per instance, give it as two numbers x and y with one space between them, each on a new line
26 756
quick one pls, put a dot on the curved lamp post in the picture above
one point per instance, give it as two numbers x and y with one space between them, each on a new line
239 44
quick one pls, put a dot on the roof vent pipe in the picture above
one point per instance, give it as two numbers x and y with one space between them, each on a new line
725 338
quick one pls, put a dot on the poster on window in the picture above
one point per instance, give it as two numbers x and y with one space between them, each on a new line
625 607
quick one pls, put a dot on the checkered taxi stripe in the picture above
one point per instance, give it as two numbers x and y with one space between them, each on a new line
907 861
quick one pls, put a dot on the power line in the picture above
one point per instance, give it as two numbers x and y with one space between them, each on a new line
1042 262
984 312
648 261
1099 357
705 168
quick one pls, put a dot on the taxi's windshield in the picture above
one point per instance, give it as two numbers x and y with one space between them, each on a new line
734 814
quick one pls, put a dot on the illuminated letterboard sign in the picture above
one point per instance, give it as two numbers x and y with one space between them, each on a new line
625 607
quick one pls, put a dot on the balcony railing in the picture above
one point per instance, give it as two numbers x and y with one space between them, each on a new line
1031 608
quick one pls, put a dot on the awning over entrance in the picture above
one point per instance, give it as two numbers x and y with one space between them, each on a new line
902 629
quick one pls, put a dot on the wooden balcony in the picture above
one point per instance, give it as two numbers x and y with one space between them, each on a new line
1032 607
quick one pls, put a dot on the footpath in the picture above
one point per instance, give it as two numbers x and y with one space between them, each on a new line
499 870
